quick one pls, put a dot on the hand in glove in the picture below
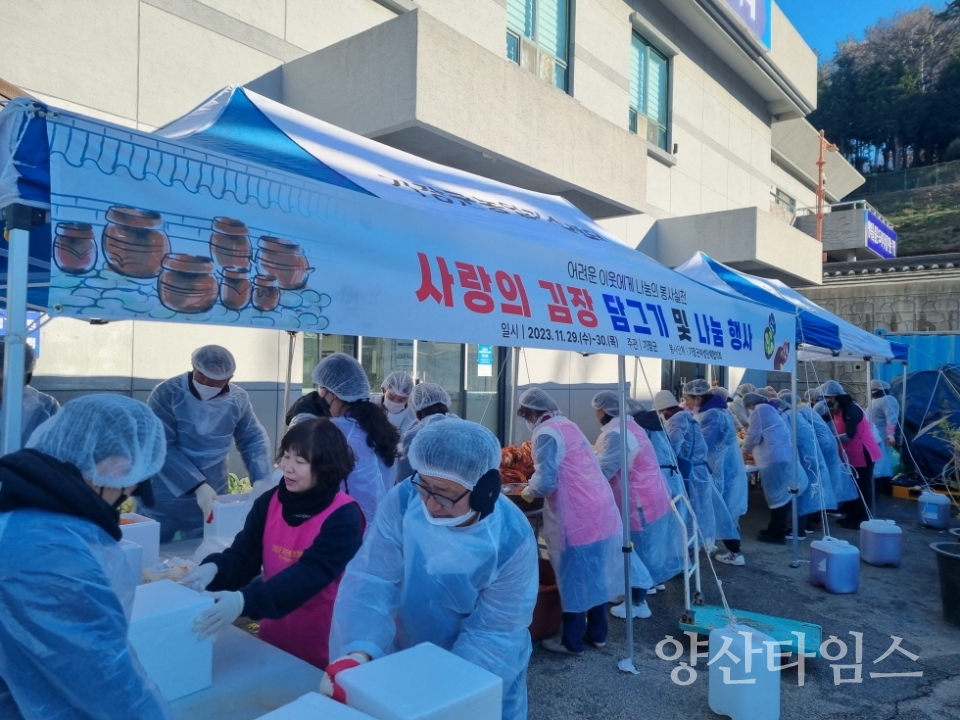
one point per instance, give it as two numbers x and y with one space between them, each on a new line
328 683
527 495
265 485
201 576
205 497
891 441
844 438
225 610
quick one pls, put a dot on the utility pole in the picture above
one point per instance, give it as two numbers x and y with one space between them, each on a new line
822 184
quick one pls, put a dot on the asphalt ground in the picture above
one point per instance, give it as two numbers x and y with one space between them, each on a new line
903 602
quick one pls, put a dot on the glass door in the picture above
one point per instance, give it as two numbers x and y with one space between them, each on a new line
442 363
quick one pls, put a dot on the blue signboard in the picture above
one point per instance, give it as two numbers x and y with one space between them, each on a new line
756 15
880 237
485 360
33 328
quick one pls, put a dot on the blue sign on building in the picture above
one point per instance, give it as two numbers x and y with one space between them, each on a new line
33 328
485 360
756 15
880 237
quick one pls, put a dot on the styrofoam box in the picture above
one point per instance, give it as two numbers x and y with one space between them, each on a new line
133 555
161 631
229 514
423 683
315 706
146 533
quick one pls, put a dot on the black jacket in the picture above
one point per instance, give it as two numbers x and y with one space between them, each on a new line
239 566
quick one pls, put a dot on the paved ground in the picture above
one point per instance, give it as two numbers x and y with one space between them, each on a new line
901 601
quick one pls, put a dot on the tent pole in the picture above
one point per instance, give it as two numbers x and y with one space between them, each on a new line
627 663
291 346
796 480
903 401
19 219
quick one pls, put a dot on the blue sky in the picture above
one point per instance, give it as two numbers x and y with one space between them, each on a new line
823 22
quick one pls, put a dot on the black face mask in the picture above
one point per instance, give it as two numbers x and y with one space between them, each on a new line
116 503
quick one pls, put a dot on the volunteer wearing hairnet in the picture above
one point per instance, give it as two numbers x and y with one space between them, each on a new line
447 561
66 591
884 411
203 414
770 441
656 536
37 406
690 450
736 407
860 448
724 460
581 526
397 388
430 403
343 384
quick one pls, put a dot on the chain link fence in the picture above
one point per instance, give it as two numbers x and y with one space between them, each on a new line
912 178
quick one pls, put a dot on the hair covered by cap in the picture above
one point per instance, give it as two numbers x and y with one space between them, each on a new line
29 357
95 428
427 394
215 362
398 382
831 388
635 406
609 402
664 400
342 375
879 385
746 388
697 387
457 450
753 398
537 399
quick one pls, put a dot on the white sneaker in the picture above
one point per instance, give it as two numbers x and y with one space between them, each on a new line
728 558
660 587
639 611
651 591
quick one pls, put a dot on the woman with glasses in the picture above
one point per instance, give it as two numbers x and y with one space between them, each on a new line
581 524
447 561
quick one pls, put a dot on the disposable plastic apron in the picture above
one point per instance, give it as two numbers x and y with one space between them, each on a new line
305 632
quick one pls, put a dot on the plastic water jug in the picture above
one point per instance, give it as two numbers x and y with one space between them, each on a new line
835 565
745 688
934 510
881 542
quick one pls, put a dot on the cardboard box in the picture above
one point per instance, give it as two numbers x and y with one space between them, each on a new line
146 533
315 706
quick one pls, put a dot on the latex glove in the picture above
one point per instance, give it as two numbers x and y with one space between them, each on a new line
205 497
225 610
892 441
265 485
201 576
527 495
328 683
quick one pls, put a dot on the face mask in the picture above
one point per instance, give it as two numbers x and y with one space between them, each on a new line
394 407
451 521
205 391
530 426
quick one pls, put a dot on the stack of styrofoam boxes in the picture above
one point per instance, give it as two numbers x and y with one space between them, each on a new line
133 556
314 706
423 683
146 533
229 515
161 632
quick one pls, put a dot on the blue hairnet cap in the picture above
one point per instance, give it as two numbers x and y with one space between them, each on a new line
215 362
787 397
343 376
427 394
29 357
537 399
697 387
879 385
609 402
457 450
746 388
398 382
831 388
114 441
753 398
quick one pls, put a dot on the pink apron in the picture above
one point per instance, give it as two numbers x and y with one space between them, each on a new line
860 445
647 487
305 632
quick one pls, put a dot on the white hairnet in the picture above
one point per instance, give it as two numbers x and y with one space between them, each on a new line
754 398
746 388
787 397
831 388
398 382
343 376
697 387
722 392
29 357
608 401
635 406
539 400
427 394
301 417
664 400
456 450
215 362
95 428
879 385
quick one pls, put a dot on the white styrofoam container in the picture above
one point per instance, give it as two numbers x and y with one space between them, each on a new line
229 514
145 533
133 554
423 683
315 706
161 631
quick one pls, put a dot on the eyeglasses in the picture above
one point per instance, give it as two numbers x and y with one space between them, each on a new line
440 500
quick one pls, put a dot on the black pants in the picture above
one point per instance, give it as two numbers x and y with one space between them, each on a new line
856 510
779 517
733 546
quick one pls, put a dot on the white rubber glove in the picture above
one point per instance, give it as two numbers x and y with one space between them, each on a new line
225 610
205 497
265 485
201 576
527 495
328 683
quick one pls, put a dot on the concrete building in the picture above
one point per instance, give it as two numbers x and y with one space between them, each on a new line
678 124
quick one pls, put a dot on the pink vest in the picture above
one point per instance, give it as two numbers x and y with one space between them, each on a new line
647 487
860 444
582 502
305 632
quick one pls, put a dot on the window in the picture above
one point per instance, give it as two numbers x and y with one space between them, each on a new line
784 200
649 70
538 38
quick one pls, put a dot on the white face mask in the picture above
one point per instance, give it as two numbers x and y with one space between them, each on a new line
530 426
451 521
205 391
394 407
